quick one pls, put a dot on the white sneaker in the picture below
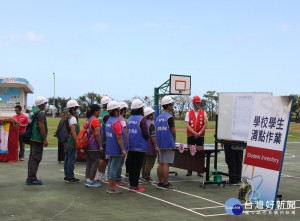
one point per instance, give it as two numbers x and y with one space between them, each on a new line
102 178
99 177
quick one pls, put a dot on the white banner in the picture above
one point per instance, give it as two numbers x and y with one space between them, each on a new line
4 132
265 150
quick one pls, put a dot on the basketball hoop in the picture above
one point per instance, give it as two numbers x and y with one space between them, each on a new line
180 84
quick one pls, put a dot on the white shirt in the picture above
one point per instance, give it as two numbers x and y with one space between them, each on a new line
123 122
72 121
187 117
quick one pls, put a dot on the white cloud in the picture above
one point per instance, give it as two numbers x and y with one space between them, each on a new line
14 37
33 37
9 39
285 27
100 26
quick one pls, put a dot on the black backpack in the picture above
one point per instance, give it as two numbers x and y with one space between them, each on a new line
27 135
62 132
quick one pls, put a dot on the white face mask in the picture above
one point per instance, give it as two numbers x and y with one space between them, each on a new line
77 111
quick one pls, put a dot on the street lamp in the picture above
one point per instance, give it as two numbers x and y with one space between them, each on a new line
54 97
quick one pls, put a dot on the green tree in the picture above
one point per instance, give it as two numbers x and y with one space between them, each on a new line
87 99
296 107
60 104
182 103
148 101
211 103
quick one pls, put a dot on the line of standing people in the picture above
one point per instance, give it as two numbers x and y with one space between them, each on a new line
111 140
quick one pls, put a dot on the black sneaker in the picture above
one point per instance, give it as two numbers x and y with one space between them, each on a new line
189 173
73 180
160 186
169 186
66 179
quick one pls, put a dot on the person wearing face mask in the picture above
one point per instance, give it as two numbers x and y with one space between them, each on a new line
38 139
70 148
196 122
95 147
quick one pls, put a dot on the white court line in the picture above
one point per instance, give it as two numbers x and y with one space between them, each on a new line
170 203
210 207
288 176
198 197
289 155
221 214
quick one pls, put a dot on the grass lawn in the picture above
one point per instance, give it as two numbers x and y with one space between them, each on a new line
294 132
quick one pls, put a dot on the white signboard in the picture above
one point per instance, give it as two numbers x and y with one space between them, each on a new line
265 149
235 110
4 131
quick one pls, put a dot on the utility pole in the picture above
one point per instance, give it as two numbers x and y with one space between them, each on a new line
54 97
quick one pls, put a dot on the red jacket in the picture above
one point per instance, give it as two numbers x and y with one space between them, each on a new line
196 123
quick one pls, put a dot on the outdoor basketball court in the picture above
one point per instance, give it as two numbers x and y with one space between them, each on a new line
56 200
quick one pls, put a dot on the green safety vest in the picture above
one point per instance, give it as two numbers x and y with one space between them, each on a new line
36 134
77 130
102 115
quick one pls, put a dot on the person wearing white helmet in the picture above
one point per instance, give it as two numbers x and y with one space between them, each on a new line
70 148
38 139
137 136
123 110
116 147
165 136
104 116
94 148
152 149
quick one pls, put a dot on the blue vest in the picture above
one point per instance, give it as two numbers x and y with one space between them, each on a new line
112 145
164 135
150 145
136 140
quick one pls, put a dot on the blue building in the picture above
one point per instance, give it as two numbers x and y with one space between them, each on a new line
13 91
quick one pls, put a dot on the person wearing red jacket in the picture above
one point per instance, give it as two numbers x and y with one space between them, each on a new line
196 122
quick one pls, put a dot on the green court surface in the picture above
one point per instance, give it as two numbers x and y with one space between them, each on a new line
56 200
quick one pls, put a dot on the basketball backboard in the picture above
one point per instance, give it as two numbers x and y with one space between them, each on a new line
180 84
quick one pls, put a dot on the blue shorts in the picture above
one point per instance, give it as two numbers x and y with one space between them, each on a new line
113 166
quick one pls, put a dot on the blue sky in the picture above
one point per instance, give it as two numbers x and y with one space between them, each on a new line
126 48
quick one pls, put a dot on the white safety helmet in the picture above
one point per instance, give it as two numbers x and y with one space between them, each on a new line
112 105
72 103
136 104
148 111
105 100
40 100
166 100
123 105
